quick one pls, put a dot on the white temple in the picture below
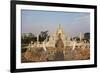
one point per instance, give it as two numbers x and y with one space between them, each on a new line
58 47
65 38
53 38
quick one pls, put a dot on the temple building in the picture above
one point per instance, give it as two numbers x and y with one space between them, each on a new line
59 47
61 39
58 35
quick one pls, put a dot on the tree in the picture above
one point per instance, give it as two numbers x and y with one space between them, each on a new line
43 35
87 36
26 39
76 38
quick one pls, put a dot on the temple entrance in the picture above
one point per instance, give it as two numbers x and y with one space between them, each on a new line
59 49
59 44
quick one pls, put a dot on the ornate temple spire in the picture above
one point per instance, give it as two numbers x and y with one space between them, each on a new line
60 30
59 26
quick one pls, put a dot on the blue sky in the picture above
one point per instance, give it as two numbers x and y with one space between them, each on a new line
72 22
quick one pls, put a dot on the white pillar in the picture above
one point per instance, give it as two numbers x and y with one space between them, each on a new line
37 40
44 46
74 44
80 36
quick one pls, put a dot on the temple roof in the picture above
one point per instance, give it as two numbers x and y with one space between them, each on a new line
60 30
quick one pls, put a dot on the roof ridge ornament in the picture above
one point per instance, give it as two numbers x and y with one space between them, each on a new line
59 26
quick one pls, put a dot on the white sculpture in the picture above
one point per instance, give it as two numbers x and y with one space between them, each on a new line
44 47
74 44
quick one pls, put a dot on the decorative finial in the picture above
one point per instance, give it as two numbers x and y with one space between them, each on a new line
59 26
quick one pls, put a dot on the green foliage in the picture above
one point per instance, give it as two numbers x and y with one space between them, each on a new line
43 35
87 37
26 39
76 38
